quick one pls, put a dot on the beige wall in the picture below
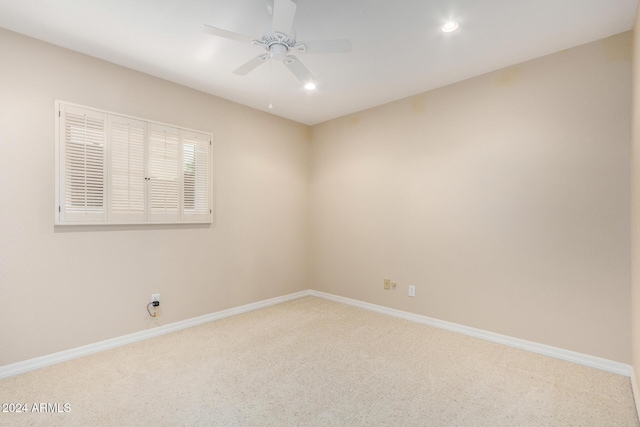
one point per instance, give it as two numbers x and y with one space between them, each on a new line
68 286
635 203
505 199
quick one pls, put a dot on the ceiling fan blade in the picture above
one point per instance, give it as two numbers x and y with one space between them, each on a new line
284 11
324 46
226 34
245 69
299 70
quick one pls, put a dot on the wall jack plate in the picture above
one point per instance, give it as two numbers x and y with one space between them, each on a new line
155 297
412 291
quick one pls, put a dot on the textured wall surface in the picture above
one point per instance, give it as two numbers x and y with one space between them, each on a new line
62 287
635 203
505 199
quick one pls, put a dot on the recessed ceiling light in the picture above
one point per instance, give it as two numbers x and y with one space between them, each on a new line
450 27
310 86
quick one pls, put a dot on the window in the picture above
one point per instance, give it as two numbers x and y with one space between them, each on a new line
114 169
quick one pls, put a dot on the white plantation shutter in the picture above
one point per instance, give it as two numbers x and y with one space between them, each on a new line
126 169
196 166
114 169
82 171
164 167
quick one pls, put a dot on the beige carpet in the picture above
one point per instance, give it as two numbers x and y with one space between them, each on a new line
316 362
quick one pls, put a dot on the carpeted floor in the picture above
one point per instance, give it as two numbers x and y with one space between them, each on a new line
317 362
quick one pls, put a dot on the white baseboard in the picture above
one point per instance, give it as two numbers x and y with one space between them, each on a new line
571 356
558 353
85 350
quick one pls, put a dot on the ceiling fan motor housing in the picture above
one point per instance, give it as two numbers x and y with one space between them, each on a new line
278 45
278 51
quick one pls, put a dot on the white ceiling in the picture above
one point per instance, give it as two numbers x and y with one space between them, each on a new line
398 48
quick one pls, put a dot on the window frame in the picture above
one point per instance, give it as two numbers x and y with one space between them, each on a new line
109 216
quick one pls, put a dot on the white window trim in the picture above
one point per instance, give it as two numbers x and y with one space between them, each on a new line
182 217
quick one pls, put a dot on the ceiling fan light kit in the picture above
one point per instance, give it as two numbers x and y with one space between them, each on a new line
281 41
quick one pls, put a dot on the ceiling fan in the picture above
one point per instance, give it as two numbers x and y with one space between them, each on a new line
280 41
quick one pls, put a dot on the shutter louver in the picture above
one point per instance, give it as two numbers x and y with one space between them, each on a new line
164 163
196 176
126 173
84 171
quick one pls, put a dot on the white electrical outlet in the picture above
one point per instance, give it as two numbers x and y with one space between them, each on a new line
155 297
412 291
